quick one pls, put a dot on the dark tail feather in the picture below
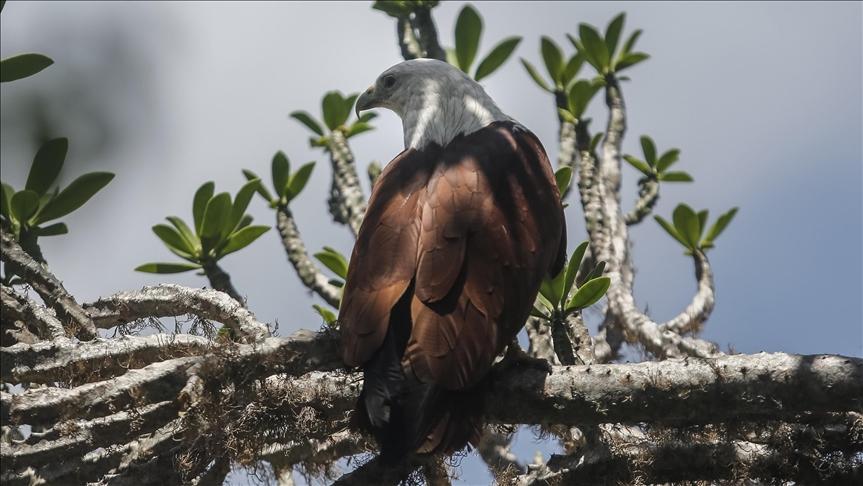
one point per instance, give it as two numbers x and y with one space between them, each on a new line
407 416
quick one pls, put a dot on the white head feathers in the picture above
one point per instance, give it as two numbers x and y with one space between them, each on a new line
436 101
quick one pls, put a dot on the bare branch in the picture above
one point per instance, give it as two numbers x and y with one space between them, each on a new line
174 300
347 203
572 342
690 390
65 360
48 287
20 308
648 195
308 272
221 281
697 312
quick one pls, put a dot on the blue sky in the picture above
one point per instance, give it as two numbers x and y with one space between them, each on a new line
763 99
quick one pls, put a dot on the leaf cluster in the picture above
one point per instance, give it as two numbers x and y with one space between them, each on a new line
41 201
336 109
655 166
601 51
571 290
468 31
687 227
287 185
403 8
221 227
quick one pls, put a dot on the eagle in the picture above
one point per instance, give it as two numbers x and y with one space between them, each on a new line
461 228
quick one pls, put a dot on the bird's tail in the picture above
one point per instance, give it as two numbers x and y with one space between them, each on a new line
405 415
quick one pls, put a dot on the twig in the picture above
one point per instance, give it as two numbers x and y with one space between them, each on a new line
347 203
308 272
48 287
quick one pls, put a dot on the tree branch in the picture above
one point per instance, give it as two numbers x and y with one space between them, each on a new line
221 281
308 272
19 308
347 203
648 195
174 300
73 317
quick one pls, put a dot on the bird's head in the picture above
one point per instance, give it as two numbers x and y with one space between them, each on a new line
435 100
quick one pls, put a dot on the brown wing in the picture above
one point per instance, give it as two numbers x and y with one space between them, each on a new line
383 261
492 227
477 225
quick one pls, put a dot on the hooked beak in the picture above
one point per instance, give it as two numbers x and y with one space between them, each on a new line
366 100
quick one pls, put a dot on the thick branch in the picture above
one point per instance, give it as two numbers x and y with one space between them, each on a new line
48 287
347 203
65 360
308 272
174 300
20 308
697 312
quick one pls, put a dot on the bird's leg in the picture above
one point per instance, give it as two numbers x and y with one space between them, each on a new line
516 356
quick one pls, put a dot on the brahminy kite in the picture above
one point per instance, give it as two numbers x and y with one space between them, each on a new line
460 230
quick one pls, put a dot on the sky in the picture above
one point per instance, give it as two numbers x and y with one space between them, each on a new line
763 99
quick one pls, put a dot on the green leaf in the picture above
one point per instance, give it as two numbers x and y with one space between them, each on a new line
586 276
630 60
22 66
333 260
74 195
188 235
669 228
451 57
55 229
281 169
594 142
241 204
47 165
630 43
572 268
24 205
336 282
327 315
243 238
597 51
172 238
217 211
262 190
566 115
6 199
686 223
245 221
573 66
542 301
667 159
299 180
612 33
641 166
649 149
563 177
719 226
537 311
553 58
367 117
306 119
167 267
589 293
702 220
535 75
468 29
199 203
580 94
335 113
496 57
358 128
675 177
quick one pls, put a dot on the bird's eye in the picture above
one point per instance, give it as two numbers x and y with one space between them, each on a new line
389 81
